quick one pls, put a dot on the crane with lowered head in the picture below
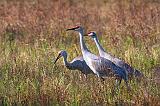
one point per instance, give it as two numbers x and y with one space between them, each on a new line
77 63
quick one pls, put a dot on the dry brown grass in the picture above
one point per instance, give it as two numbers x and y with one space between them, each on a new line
48 19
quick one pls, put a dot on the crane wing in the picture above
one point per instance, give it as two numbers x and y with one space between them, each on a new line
120 63
107 68
103 67
81 65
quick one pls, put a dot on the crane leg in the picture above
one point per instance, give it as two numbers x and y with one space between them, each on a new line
118 82
102 79
117 85
128 86
85 77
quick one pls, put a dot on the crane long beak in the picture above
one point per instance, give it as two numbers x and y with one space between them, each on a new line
70 29
85 35
57 58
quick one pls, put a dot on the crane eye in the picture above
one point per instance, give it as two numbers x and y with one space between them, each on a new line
77 27
90 33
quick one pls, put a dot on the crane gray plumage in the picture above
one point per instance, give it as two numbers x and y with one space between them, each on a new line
130 70
100 66
77 63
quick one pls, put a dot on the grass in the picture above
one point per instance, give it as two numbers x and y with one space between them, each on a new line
28 76
31 36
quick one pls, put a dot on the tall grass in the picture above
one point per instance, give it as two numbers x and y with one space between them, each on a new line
32 32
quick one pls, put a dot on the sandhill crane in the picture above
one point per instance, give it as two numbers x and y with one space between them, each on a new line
77 63
100 66
130 70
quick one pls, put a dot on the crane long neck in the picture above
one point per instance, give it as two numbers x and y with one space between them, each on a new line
82 44
100 48
66 63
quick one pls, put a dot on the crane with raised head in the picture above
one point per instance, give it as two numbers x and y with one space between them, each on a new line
130 70
100 66
77 63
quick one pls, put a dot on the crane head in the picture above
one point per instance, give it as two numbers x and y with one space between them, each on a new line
92 34
60 54
76 28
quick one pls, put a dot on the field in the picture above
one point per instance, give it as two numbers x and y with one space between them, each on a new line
33 31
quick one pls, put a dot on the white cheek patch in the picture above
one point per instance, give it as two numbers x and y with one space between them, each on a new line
90 34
